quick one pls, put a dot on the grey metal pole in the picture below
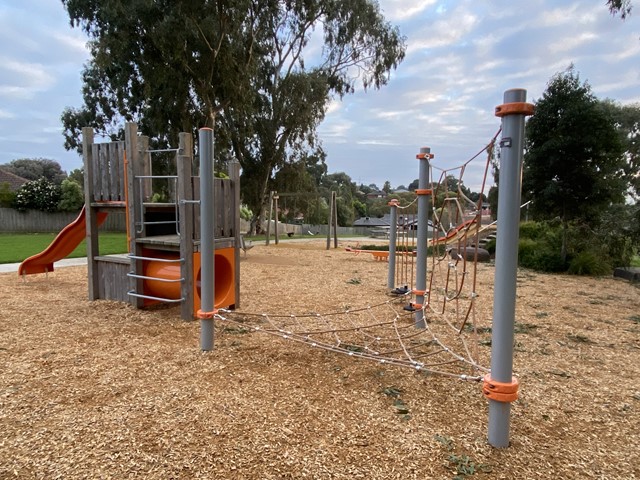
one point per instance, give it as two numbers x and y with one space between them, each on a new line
513 113
207 214
423 193
391 275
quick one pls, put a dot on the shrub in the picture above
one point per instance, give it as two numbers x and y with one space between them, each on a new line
540 256
71 198
7 197
38 194
589 262
246 213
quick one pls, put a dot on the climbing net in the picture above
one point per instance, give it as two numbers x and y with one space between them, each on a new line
387 332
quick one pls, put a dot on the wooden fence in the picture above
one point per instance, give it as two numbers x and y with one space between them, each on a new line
33 221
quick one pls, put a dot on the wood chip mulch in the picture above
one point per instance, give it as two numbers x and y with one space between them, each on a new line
102 390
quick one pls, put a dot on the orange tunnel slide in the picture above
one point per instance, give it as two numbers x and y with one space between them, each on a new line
224 273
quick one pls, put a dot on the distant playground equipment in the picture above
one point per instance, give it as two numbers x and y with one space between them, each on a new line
164 264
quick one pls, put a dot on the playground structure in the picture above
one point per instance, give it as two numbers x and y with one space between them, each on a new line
160 256
164 263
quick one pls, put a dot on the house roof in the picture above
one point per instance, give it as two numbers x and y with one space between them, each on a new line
14 181
373 222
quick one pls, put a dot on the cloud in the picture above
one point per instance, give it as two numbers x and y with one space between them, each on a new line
402 10
23 79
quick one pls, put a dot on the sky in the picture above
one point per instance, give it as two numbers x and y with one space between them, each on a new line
461 56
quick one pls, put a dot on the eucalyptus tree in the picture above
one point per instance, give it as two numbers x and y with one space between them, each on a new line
262 72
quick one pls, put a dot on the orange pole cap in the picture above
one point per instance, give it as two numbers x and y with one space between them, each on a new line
514 108
422 156
418 292
424 191
393 202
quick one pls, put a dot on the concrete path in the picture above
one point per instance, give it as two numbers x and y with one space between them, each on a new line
67 262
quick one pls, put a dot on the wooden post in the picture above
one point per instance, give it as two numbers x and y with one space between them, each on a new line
275 199
234 175
135 214
145 167
333 222
185 208
90 217
269 217
334 200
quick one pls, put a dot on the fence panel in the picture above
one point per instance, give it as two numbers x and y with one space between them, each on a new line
33 221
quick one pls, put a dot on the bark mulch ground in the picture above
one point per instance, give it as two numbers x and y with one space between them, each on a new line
101 390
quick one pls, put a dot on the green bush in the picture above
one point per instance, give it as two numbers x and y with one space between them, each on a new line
38 194
533 230
540 256
589 262
490 246
7 197
71 199
246 213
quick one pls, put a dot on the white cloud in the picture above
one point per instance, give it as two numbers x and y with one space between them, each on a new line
402 10
23 79
75 43
6 114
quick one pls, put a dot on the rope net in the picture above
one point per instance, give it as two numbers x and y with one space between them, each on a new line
386 332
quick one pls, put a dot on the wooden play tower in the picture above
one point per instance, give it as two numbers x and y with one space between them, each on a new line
163 264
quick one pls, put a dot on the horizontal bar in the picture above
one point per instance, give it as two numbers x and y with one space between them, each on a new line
158 150
190 201
156 176
158 279
156 259
160 299
165 222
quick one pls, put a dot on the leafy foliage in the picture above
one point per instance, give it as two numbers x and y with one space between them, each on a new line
242 67
620 7
573 165
35 168
38 194
7 197
71 198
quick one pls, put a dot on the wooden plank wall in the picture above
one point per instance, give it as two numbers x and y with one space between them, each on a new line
224 206
113 281
108 172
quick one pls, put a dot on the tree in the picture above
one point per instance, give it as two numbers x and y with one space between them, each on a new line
386 188
620 7
35 168
77 175
243 67
627 123
574 167
413 186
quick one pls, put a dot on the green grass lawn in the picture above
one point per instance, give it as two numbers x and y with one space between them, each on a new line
15 247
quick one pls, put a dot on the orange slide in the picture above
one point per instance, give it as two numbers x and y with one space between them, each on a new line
64 243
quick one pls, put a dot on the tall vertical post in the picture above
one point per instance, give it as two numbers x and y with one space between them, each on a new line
423 193
393 234
185 194
331 213
269 219
334 198
275 223
499 385
207 214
